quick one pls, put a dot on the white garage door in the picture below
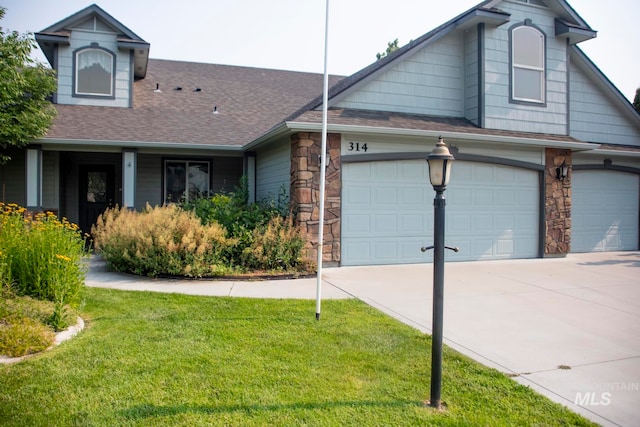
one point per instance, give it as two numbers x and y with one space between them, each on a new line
604 211
492 212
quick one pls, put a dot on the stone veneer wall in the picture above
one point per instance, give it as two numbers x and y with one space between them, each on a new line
305 193
557 207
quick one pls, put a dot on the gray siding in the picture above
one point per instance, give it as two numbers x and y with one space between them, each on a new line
594 117
80 38
471 75
273 169
148 180
429 82
51 180
502 114
12 179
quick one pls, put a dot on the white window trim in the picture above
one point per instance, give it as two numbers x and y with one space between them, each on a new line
77 92
542 69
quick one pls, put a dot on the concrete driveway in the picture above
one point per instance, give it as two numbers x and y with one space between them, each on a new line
569 327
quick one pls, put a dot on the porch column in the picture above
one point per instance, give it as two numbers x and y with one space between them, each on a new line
129 166
33 178
304 194
557 204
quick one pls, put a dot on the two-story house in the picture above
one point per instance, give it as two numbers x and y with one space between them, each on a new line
547 149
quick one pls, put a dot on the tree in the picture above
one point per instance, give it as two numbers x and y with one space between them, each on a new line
25 85
391 47
636 100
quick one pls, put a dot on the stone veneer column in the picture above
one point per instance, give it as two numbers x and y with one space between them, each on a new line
557 209
305 192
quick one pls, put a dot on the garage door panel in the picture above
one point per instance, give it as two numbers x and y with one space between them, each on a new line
492 212
605 211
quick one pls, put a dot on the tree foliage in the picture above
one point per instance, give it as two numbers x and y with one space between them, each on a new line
636 100
25 85
391 47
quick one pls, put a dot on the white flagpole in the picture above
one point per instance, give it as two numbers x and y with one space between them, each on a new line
323 163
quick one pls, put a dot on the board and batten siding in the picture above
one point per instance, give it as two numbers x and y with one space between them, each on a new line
499 112
273 170
80 39
594 117
429 82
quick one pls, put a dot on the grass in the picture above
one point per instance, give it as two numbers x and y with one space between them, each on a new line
148 359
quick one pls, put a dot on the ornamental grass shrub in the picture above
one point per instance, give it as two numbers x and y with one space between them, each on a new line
41 256
265 237
162 240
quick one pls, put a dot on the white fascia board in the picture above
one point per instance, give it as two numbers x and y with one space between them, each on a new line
110 145
274 133
617 153
500 139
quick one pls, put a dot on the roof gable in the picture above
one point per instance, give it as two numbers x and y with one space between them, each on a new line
94 18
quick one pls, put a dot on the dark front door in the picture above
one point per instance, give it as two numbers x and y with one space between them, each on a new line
97 193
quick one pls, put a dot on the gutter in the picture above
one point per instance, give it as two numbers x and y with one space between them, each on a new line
136 144
315 127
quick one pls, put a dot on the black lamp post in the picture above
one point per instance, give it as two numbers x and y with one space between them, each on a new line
439 162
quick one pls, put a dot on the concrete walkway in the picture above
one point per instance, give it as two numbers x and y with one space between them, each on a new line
569 328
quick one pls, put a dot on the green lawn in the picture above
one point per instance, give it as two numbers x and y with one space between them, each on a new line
153 359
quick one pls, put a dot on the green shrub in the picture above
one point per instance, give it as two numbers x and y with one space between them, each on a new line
278 245
41 255
266 238
163 240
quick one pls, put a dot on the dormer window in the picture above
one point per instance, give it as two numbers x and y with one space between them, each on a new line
94 72
527 64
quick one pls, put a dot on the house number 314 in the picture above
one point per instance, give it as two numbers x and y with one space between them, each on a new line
356 146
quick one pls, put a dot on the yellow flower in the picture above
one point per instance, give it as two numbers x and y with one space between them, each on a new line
63 257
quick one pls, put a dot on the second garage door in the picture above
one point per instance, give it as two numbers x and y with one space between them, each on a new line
604 211
492 212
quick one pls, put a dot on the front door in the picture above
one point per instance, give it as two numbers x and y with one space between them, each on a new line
97 193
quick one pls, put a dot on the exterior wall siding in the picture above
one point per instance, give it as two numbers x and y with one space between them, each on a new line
148 180
471 75
12 179
123 81
502 114
51 181
595 118
429 82
273 170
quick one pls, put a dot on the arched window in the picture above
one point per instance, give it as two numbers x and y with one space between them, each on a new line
527 64
94 72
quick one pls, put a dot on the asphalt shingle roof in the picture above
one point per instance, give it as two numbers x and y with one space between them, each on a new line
249 101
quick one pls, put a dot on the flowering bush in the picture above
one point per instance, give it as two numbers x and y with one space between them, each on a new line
162 240
41 255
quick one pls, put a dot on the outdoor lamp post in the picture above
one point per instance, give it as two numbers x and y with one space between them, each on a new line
439 162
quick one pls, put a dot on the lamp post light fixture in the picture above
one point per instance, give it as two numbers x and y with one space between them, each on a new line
439 162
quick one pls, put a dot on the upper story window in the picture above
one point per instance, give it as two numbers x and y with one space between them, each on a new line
527 64
94 72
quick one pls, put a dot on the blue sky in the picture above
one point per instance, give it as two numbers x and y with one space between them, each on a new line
289 34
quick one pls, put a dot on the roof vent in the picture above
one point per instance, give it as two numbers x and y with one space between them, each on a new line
197 89
177 88
157 90
215 109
